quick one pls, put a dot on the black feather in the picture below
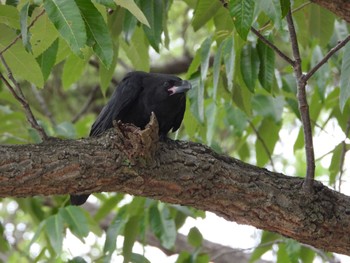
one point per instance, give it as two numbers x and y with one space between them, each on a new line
136 97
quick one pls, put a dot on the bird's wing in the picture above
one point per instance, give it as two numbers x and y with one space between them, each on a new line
180 115
122 98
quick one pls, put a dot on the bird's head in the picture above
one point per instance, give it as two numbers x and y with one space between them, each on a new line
178 86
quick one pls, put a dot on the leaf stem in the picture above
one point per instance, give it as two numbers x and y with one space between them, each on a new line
271 45
19 96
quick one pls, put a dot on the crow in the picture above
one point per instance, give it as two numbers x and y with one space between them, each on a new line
135 98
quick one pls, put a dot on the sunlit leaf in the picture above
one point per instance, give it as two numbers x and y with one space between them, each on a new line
72 70
134 9
21 63
43 33
9 16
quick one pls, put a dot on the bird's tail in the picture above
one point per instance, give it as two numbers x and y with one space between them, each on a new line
78 199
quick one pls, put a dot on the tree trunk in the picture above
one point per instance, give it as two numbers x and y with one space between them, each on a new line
131 161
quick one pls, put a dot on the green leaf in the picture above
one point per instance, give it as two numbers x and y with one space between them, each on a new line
43 33
322 74
76 220
217 70
293 250
267 64
65 15
249 66
9 16
54 231
265 143
107 206
47 59
133 9
345 78
114 230
237 118
138 258
299 142
285 6
272 9
72 70
130 233
205 56
24 26
264 246
229 55
129 25
137 50
65 130
282 255
335 163
77 260
107 3
205 10
153 10
195 237
268 106
242 13
97 32
193 68
163 226
22 64
321 24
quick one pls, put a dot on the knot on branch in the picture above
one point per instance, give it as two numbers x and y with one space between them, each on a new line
138 145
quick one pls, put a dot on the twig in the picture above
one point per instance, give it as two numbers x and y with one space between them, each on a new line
271 45
43 105
343 152
263 144
303 108
20 35
20 97
325 59
87 104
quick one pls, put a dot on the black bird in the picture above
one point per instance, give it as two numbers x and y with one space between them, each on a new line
136 97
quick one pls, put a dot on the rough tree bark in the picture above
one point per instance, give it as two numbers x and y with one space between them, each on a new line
128 160
339 7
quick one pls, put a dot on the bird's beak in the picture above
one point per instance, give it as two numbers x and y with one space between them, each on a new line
184 87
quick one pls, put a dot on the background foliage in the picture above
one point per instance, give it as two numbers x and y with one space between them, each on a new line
69 55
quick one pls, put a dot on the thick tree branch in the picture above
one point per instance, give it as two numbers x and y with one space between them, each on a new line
339 7
127 160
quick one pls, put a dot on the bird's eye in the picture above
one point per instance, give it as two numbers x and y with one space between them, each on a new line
166 84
